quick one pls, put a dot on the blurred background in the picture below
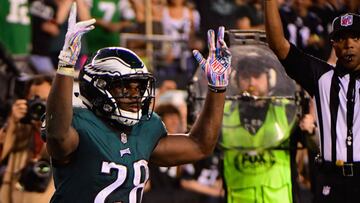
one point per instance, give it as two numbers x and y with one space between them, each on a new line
164 33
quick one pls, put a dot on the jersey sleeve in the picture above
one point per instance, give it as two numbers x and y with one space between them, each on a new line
304 69
78 115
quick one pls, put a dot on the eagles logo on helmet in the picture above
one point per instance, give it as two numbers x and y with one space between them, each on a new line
110 67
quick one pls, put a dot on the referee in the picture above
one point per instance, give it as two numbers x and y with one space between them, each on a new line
337 96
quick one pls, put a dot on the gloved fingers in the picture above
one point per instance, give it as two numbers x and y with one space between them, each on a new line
211 43
220 37
77 35
199 58
86 23
84 30
87 29
224 49
72 17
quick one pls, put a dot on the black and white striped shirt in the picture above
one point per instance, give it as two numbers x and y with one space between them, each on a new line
337 96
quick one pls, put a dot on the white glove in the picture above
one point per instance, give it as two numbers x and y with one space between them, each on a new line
72 46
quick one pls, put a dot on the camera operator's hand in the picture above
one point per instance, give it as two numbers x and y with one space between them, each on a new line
218 64
72 46
18 110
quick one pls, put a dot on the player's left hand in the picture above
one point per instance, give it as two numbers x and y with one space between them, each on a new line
217 66
72 46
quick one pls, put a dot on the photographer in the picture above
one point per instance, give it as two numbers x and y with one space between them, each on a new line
22 147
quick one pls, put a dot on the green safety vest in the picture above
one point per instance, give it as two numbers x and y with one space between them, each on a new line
257 175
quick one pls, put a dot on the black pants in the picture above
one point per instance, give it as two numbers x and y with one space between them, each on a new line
333 187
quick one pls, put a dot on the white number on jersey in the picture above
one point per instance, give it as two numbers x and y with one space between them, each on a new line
138 181
109 9
18 12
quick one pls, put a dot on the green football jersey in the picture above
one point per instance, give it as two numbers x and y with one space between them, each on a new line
15 32
107 10
107 167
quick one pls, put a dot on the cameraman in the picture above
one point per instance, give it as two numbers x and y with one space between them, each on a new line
23 145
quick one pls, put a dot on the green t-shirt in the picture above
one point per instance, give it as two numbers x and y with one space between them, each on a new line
15 31
107 167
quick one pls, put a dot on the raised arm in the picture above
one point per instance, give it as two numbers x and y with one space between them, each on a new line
202 139
274 30
61 138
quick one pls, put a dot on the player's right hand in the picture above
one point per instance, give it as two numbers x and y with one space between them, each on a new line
72 46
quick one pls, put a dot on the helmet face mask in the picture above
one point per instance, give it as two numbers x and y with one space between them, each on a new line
116 85
128 88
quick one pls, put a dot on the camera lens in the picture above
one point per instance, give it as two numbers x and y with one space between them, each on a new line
36 110
42 168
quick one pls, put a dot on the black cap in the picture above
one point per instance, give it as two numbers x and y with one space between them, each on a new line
345 23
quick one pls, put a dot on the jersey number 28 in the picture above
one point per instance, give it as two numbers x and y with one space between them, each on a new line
138 182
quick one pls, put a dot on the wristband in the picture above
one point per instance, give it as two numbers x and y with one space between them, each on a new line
217 90
66 70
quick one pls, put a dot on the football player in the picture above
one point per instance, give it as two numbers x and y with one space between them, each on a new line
101 153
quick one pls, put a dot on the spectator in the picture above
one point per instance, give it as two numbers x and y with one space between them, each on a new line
165 85
8 77
307 152
216 13
157 7
352 6
15 32
326 11
43 29
142 16
112 17
177 98
250 15
180 21
203 179
171 117
23 145
304 28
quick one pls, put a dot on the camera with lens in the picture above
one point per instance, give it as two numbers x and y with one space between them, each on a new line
36 176
36 108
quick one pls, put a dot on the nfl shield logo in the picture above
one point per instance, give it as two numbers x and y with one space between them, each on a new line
218 66
123 138
346 20
326 190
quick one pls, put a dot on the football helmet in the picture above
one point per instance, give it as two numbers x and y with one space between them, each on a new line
113 67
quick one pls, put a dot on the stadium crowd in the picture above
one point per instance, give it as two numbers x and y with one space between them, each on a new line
163 34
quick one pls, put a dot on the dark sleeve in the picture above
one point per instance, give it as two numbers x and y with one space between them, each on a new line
304 69
243 11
